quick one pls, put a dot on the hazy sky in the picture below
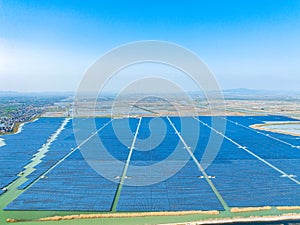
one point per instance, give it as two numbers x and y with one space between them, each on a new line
48 45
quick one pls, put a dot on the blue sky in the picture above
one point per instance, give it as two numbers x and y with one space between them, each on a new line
48 45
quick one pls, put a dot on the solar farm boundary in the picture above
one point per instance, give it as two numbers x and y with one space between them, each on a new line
12 191
258 132
119 189
218 195
251 153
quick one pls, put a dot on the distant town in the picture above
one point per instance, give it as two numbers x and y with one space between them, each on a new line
16 109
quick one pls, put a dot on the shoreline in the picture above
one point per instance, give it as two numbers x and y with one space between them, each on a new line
18 128
265 125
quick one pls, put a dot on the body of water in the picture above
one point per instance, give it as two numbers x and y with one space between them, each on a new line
288 127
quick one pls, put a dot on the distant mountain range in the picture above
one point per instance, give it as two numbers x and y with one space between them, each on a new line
248 93
245 91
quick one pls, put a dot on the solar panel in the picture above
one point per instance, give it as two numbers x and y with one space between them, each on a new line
242 178
20 147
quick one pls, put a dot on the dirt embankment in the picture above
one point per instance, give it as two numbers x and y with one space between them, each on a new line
122 215
250 209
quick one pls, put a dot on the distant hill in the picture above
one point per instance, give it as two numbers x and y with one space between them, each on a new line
257 93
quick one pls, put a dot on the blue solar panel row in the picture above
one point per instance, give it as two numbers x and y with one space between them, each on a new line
57 150
289 166
282 155
20 147
247 121
183 191
8 180
25 184
116 142
244 180
293 140
73 184
64 143
228 150
244 183
261 145
154 146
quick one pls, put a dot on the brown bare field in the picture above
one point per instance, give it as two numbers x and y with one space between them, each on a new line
250 209
127 215
288 207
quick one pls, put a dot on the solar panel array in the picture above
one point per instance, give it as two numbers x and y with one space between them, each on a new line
183 191
73 186
20 147
243 178
57 150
